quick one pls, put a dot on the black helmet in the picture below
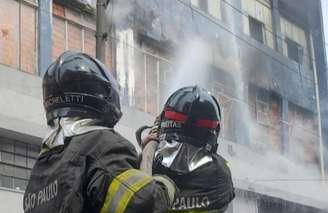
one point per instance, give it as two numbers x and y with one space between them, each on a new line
191 115
77 85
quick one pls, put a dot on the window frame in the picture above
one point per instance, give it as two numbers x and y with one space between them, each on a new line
262 116
203 7
252 20
16 170
299 50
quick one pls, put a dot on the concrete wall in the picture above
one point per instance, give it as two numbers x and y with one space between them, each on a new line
20 104
11 201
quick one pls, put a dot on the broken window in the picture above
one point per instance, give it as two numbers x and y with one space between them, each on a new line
265 110
257 22
256 29
294 51
296 44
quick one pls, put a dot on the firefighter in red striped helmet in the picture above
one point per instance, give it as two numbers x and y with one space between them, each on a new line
188 132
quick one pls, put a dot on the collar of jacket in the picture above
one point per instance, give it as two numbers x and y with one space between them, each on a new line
68 127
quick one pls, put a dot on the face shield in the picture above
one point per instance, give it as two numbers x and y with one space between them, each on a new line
181 157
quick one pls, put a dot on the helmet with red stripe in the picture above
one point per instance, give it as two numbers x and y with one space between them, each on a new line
191 115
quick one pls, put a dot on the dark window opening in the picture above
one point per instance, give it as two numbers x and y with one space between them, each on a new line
294 51
256 29
203 5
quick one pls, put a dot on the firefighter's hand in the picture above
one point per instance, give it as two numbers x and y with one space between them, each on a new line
153 133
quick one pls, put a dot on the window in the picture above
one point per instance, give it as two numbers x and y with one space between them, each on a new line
295 44
262 112
211 7
142 74
262 107
6 181
18 35
203 5
294 51
256 29
257 20
75 31
16 162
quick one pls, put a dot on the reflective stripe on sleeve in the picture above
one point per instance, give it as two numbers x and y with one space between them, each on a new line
227 163
122 189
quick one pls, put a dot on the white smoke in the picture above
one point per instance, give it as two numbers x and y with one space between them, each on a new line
118 12
191 67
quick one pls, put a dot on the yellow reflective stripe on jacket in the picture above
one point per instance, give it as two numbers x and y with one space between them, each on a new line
114 186
227 163
128 194
122 189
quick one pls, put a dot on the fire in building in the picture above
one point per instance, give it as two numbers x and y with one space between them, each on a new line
264 60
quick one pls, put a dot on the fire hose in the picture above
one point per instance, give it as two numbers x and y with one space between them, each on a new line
148 151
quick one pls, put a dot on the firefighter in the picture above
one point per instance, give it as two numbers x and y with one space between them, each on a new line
84 165
187 132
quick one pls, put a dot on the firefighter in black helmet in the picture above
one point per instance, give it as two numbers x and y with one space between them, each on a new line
84 165
188 129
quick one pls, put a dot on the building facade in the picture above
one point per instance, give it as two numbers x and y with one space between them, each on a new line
263 59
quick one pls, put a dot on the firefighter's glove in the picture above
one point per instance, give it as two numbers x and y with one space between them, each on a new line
153 133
